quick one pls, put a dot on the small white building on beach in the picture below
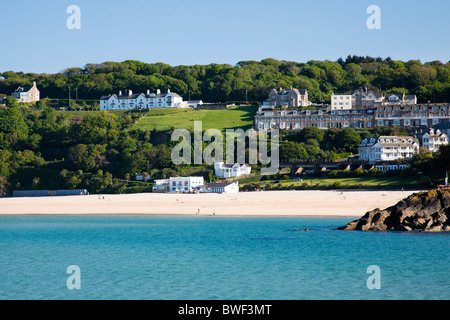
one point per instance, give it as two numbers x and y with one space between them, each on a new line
178 184
223 187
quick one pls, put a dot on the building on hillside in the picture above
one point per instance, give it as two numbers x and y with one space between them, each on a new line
229 170
399 98
366 99
341 102
178 184
142 101
194 103
323 119
223 187
388 148
444 127
433 139
27 94
288 97
413 115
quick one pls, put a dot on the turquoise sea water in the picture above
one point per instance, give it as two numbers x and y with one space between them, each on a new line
193 257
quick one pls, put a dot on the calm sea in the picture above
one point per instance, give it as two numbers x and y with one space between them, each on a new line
206 258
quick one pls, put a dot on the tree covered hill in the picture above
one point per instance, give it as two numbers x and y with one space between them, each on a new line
430 81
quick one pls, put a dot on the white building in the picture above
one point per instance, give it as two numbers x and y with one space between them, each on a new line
341 101
228 170
178 184
27 94
432 140
388 148
142 101
225 187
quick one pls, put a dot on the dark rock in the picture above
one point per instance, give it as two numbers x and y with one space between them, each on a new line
424 211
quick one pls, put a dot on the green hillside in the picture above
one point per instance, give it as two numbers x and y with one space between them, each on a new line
232 118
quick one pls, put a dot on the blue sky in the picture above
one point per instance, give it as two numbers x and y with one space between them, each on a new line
180 32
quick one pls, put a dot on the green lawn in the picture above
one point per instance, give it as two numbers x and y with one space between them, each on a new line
394 182
355 181
232 118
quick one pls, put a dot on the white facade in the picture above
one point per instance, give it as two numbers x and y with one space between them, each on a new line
178 184
432 140
142 101
228 170
341 101
227 187
388 148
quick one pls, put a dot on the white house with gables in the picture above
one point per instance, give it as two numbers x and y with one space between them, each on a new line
432 139
142 101
229 170
27 94
388 148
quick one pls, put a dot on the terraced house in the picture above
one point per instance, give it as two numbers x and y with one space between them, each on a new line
413 115
267 119
142 101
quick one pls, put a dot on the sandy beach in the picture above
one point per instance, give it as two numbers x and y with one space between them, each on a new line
265 203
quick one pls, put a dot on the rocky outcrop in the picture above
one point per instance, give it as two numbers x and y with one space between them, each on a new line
424 211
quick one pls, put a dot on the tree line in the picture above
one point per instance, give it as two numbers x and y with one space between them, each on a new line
247 80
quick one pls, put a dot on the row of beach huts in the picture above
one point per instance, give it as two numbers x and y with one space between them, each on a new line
44 193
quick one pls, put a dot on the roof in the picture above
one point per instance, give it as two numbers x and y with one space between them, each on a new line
219 184
442 125
369 142
23 89
231 165
284 92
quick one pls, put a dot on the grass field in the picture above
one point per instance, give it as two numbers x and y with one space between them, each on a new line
232 118
356 181
393 182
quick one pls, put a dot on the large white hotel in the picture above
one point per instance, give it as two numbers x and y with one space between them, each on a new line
144 101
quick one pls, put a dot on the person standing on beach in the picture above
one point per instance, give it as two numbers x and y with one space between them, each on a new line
214 212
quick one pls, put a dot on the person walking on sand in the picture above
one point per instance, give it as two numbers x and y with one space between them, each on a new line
214 212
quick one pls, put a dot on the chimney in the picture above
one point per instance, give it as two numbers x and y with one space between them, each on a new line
120 92
130 92
148 91
168 90
34 83
158 91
